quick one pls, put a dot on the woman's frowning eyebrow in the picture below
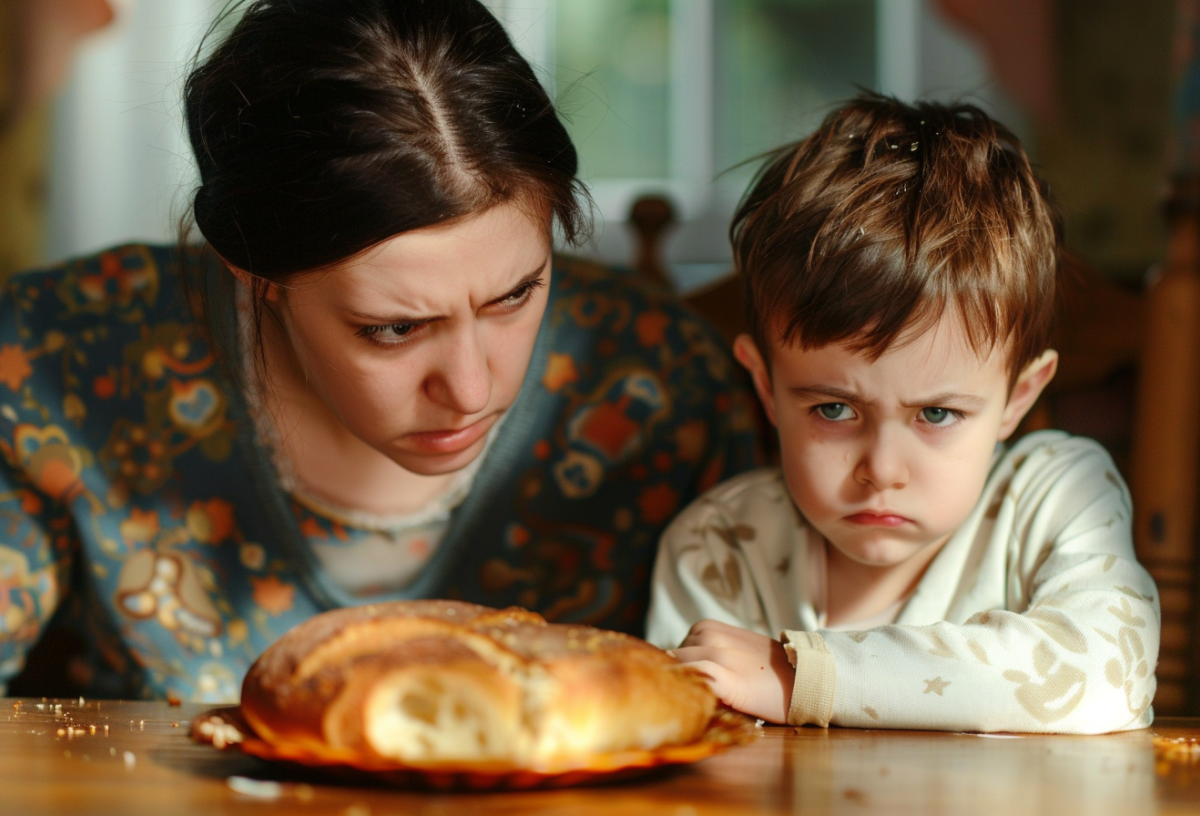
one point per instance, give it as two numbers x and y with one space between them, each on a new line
397 318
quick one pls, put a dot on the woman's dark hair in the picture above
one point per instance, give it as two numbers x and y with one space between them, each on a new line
322 127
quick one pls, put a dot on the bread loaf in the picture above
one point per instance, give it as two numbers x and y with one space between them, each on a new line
440 682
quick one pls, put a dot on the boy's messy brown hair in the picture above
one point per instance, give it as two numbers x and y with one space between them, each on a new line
887 216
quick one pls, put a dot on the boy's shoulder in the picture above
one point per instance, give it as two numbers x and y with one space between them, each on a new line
1057 473
1051 454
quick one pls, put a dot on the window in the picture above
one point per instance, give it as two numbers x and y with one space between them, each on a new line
661 96
678 97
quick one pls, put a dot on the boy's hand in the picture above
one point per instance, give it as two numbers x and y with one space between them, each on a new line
746 670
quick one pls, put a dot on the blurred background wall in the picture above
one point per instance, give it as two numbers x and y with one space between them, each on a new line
662 96
37 41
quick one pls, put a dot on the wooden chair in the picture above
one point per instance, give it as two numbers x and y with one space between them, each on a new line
720 301
1129 376
1165 474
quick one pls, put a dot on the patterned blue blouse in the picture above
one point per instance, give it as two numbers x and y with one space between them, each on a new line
139 507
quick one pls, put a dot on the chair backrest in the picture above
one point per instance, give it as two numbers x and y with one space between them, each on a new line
721 301
1165 473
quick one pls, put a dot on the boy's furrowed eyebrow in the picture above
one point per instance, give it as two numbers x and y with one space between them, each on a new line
829 392
397 318
950 398
833 393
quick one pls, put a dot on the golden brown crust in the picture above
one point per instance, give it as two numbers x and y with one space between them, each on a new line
436 681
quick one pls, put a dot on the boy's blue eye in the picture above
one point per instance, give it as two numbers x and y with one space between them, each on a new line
834 411
935 416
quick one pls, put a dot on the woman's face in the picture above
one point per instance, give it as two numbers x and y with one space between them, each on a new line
420 345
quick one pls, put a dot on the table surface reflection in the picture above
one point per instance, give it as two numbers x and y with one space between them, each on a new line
122 757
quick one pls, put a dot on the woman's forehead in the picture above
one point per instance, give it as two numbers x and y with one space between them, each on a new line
483 253
493 234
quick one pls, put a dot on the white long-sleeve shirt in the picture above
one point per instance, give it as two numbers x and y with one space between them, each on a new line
1034 616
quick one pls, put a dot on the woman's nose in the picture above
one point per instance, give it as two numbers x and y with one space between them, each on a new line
882 463
460 377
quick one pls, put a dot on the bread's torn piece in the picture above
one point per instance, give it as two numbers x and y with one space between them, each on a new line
433 682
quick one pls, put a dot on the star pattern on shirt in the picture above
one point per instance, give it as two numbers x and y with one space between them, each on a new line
936 686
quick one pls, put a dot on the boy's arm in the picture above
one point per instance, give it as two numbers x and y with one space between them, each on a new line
704 595
746 670
1078 657
699 575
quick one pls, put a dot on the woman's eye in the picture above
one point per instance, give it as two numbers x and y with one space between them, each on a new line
394 330
938 416
519 296
389 335
835 411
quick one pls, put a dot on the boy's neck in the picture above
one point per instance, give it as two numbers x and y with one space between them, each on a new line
856 591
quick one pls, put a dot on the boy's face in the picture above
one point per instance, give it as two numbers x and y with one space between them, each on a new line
886 458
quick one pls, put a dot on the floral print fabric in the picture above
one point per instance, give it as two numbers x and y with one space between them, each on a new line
138 506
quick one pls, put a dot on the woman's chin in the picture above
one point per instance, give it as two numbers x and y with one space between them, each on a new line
439 464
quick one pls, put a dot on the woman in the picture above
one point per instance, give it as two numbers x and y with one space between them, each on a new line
389 393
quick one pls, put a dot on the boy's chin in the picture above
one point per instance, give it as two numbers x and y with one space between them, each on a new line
882 555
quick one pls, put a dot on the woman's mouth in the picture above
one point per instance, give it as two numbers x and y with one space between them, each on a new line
884 519
450 440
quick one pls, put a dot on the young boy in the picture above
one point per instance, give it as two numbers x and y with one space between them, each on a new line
901 265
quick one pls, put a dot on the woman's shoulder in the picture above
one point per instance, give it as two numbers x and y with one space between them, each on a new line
577 276
106 344
579 272
613 317
641 374
128 284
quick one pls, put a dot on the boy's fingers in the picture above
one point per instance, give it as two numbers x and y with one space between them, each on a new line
721 680
706 629
690 654
730 657
712 637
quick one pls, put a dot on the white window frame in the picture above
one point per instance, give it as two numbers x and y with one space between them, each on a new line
917 56
121 168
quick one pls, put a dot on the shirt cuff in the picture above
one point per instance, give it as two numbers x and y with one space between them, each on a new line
816 677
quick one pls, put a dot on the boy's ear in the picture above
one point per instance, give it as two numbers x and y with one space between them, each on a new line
271 290
747 353
1029 386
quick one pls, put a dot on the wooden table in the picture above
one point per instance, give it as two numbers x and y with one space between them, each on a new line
138 759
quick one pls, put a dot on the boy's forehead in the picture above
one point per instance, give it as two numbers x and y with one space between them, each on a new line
937 341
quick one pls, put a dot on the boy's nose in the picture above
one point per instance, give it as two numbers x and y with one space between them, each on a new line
460 378
882 464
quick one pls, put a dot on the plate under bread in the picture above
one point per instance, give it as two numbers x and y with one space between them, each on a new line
225 728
